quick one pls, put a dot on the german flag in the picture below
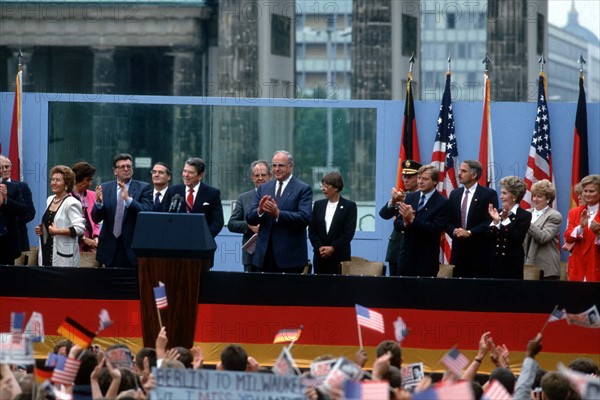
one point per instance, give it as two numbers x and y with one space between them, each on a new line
288 335
42 373
76 333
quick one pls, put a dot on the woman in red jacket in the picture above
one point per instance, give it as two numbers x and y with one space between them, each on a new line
583 230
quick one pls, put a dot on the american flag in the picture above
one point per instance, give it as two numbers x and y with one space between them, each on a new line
539 163
105 320
557 314
455 361
445 157
497 391
366 390
65 370
369 319
17 323
447 391
160 295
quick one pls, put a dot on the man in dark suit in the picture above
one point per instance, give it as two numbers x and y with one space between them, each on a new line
469 223
283 208
161 176
29 215
12 209
410 169
260 173
117 205
424 215
197 197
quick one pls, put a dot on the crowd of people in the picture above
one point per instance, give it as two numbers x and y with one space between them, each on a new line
274 217
116 373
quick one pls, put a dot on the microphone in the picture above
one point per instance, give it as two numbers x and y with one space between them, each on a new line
175 203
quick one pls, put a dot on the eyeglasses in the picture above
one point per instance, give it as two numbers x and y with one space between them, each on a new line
6 166
125 166
325 185
279 165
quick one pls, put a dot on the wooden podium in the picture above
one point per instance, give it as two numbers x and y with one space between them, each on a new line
174 249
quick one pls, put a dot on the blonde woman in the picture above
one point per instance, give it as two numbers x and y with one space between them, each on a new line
62 222
541 242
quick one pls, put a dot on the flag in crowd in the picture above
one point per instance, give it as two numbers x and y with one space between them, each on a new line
557 314
17 322
369 319
590 318
445 158
76 333
42 371
65 370
366 390
455 361
580 167
400 330
539 162
35 327
15 152
486 146
409 141
105 321
496 391
287 335
160 295
285 364
586 385
446 391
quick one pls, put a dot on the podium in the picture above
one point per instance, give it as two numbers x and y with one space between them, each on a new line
174 249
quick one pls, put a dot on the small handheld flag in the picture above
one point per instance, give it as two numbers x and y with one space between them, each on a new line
497 391
400 330
369 319
160 295
105 321
65 370
76 333
455 361
287 335
35 327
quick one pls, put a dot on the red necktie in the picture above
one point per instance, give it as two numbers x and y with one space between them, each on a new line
190 200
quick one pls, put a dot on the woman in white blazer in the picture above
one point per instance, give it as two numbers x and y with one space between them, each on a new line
541 242
62 223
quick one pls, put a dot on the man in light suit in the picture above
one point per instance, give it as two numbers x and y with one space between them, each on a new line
260 173
471 242
424 215
196 196
283 208
6 170
117 205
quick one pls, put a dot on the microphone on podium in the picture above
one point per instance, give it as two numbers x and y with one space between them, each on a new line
175 203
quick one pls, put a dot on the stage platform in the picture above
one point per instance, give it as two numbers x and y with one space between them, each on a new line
249 309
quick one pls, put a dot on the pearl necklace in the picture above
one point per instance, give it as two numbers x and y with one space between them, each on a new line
58 200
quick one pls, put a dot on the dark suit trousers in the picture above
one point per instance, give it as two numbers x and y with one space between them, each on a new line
270 263
120 260
6 251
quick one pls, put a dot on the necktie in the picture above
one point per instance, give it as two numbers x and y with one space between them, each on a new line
463 210
157 201
421 203
278 194
189 203
119 215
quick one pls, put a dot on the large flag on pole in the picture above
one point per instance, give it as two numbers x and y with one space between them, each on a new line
409 142
16 130
445 157
580 166
539 162
486 147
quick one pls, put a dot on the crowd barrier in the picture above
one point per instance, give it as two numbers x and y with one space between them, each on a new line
249 309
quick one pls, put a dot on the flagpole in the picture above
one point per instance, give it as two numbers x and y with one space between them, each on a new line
159 318
359 336
547 320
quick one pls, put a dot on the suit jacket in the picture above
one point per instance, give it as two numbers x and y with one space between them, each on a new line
508 255
420 251
288 232
341 232
585 256
237 222
141 195
65 250
28 216
11 213
541 242
207 202
471 255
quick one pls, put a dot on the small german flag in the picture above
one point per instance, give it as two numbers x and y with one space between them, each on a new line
76 333
42 373
288 335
